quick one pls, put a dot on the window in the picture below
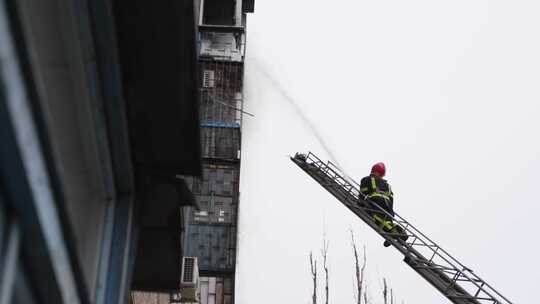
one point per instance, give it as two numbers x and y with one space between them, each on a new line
219 12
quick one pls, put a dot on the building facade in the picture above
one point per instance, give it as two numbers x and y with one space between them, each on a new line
212 229
210 234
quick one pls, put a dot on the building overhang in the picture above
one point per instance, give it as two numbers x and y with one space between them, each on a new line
158 62
221 28
157 51
159 250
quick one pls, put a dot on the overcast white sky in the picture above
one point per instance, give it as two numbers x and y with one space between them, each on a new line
447 93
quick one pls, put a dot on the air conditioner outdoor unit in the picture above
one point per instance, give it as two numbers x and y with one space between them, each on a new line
208 79
189 280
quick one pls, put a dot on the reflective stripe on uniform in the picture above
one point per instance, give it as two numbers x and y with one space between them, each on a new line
373 183
364 189
384 223
386 197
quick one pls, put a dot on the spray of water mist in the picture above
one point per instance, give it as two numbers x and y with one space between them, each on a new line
299 112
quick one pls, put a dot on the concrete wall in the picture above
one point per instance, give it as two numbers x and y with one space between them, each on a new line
212 232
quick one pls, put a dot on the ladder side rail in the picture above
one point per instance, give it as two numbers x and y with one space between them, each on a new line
314 159
415 232
424 239
438 251
338 169
337 173
435 276
338 177
452 283
430 241
344 184
472 277
442 279
328 166
401 221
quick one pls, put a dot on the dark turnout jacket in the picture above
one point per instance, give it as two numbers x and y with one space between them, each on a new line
378 190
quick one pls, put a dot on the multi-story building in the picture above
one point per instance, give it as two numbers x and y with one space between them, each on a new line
210 234
212 229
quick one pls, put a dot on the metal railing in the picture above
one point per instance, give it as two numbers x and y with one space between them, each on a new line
456 281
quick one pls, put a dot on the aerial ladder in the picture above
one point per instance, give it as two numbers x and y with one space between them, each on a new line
455 281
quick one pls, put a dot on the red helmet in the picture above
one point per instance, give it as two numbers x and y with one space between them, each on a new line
379 168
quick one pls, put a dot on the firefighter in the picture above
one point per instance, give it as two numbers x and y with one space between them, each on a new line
376 190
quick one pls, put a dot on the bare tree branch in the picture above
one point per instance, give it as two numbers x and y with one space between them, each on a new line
360 290
363 270
355 296
357 267
385 291
365 296
313 265
324 253
360 270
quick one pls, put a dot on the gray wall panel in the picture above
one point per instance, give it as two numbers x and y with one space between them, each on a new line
215 245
